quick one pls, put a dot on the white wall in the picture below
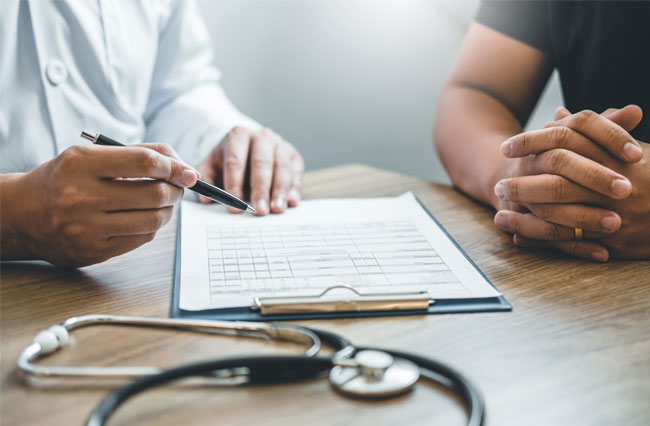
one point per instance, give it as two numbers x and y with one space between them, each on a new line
345 80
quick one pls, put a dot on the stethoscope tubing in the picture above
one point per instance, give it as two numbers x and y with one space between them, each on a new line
288 369
261 370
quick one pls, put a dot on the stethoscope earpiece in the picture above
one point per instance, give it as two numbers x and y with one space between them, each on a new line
52 339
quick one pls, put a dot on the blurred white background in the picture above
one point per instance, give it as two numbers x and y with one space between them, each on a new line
346 80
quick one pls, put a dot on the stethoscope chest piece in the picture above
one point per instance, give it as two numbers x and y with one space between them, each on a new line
373 374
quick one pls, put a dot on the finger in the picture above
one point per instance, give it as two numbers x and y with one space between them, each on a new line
577 216
282 177
135 222
583 249
628 118
560 113
604 132
209 170
263 147
237 145
583 171
530 226
628 122
138 162
545 189
169 151
116 246
298 168
542 140
137 195
607 114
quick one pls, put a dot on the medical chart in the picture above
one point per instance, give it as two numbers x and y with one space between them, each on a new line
375 245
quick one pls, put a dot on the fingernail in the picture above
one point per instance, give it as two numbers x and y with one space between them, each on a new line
294 195
621 187
499 190
279 203
599 256
261 206
506 147
610 223
188 177
500 220
632 150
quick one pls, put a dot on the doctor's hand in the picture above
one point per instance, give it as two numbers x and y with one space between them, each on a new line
78 209
622 219
258 165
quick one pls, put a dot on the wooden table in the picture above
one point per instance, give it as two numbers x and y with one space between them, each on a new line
574 351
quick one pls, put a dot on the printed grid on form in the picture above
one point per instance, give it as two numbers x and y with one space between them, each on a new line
305 259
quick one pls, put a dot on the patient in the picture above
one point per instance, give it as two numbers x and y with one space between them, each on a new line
581 184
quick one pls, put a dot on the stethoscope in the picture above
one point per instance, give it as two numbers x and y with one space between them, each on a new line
366 373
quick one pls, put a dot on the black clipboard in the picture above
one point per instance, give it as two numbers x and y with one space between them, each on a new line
247 313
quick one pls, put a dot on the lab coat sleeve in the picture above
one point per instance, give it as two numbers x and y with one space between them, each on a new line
187 107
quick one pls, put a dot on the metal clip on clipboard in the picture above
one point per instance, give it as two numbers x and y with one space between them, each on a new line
360 303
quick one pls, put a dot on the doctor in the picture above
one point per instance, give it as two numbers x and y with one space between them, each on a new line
136 71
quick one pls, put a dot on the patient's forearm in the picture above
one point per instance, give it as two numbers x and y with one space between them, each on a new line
470 127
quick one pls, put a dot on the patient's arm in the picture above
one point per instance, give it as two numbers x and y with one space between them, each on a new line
488 98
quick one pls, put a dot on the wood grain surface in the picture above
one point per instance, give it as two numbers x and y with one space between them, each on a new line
574 351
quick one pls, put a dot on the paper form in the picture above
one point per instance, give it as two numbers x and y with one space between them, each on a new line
375 245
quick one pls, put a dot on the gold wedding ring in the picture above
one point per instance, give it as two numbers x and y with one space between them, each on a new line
578 234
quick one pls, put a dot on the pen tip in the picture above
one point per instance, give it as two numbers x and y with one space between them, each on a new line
249 209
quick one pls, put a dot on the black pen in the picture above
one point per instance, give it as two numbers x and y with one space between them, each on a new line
202 187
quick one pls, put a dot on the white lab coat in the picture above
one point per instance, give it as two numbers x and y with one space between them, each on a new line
133 70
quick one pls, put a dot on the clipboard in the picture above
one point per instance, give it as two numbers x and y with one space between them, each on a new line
319 307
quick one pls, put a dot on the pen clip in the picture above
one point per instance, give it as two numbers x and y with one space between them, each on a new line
361 302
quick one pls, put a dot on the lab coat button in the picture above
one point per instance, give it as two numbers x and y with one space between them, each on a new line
56 72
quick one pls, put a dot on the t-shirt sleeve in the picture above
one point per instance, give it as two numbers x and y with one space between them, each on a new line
526 21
